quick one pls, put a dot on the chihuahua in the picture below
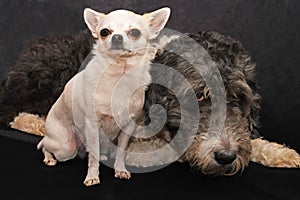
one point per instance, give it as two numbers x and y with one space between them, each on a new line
99 104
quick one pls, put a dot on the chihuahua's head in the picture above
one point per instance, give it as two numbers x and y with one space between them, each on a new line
124 33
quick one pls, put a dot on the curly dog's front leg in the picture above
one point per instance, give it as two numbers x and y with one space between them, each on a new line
272 154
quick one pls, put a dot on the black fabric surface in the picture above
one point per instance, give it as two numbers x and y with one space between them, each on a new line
268 29
24 176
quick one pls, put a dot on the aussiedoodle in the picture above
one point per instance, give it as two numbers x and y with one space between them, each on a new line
44 67
40 74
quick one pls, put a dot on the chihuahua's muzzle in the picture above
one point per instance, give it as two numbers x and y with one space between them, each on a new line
117 42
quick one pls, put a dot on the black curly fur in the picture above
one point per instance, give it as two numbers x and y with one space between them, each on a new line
237 71
44 67
242 108
40 74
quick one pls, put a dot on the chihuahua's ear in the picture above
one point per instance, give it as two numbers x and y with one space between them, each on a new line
157 20
92 20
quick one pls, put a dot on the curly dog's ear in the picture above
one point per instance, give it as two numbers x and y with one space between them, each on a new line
15 81
93 19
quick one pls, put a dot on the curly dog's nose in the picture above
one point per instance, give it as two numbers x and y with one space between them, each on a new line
224 158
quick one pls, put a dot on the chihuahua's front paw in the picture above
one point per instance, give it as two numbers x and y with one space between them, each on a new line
124 174
92 178
91 181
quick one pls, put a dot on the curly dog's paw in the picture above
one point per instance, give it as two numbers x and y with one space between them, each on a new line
271 154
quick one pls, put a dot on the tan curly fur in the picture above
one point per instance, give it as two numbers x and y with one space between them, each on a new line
29 123
272 154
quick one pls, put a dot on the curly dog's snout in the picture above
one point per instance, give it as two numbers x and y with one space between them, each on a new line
224 158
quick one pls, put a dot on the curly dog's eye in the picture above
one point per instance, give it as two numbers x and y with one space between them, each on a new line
134 32
104 32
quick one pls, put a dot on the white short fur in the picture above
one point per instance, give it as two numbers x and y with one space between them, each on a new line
98 102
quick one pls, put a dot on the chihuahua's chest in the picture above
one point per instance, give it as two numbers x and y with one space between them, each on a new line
120 90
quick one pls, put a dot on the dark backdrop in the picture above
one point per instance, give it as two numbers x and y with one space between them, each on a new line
269 29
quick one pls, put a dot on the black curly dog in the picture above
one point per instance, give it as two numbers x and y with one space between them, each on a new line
46 65
40 74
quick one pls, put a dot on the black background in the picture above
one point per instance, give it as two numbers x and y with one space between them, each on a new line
269 29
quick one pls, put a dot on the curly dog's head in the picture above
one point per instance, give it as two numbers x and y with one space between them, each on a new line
227 150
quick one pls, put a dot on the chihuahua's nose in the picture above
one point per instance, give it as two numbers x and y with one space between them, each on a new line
117 39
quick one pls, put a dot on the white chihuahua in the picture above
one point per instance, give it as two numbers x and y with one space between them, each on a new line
96 104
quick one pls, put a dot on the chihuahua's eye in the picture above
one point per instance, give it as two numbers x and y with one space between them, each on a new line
104 32
134 32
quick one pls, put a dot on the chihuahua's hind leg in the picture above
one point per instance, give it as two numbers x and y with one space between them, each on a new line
60 142
49 159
